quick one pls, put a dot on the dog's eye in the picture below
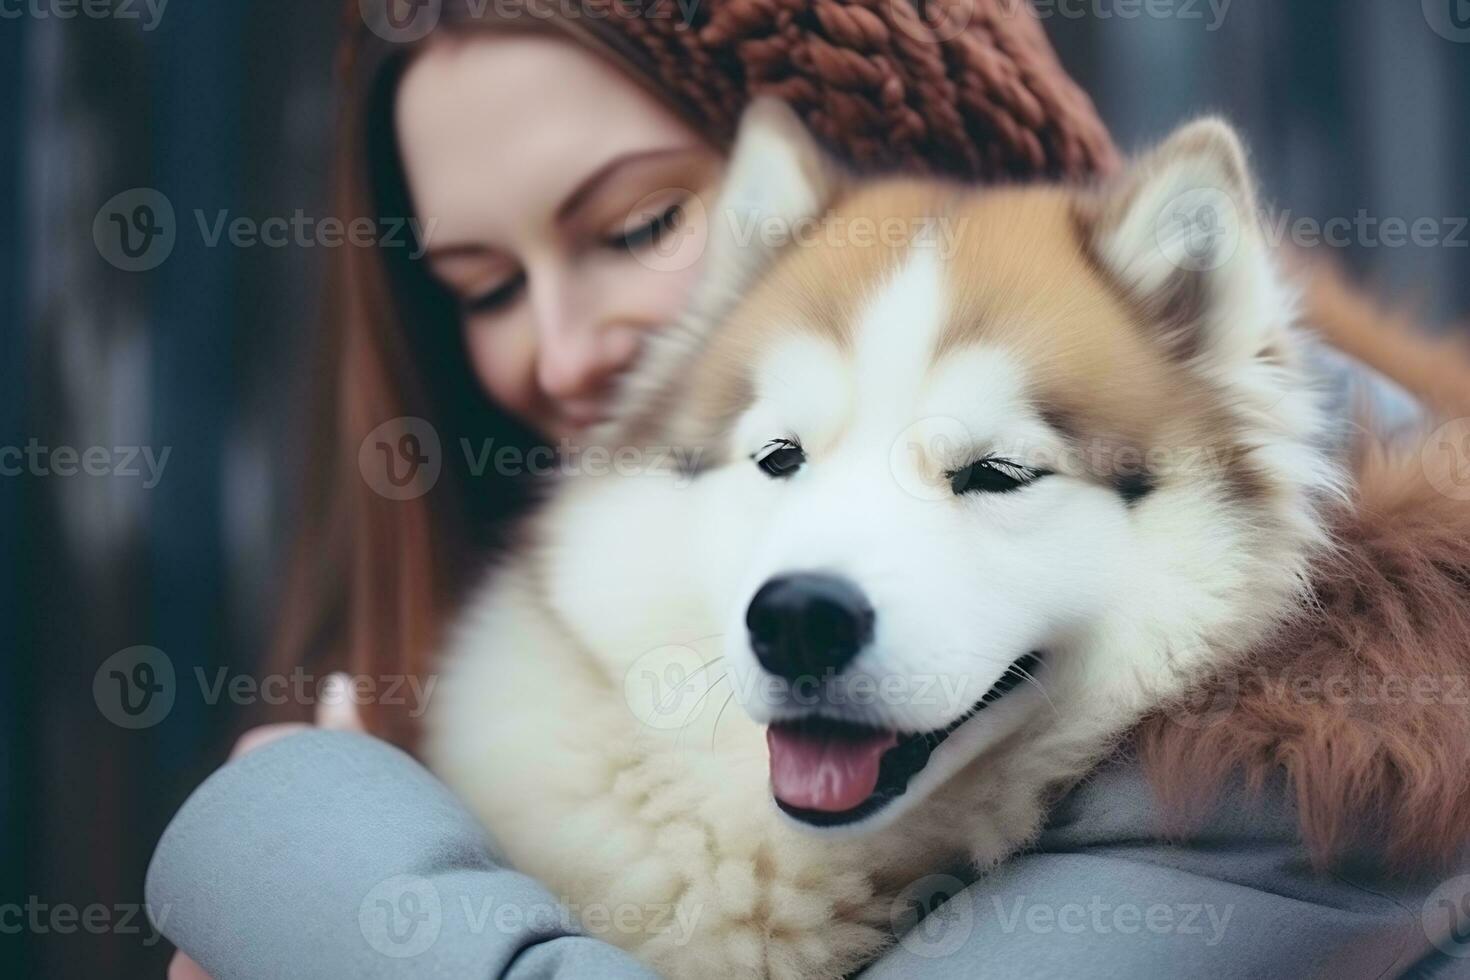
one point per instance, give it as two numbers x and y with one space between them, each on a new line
779 458
992 476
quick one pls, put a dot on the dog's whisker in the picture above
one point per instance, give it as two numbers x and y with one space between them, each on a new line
713 731
678 690
700 700
694 711
1029 678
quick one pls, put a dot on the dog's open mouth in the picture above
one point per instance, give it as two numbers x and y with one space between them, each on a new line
827 773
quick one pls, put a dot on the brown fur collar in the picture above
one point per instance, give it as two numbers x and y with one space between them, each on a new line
1363 700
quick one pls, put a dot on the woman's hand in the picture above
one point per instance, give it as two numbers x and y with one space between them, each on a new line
335 710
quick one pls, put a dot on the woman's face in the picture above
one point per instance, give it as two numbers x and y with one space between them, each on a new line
551 191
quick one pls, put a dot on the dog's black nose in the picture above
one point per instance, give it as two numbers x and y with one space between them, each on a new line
808 624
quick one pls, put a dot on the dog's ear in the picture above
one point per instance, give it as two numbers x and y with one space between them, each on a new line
778 176
1178 233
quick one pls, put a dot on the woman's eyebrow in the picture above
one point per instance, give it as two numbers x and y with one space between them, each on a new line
583 190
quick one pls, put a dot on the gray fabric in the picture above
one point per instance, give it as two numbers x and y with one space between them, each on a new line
278 866
332 854
1100 896
1359 396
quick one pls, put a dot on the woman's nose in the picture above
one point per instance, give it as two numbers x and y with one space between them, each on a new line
580 347
578 365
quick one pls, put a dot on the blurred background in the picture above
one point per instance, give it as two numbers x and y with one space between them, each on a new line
1354 109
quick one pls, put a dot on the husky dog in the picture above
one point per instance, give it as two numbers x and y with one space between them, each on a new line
970 481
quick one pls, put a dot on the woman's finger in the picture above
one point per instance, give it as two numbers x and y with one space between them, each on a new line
183 968
336 708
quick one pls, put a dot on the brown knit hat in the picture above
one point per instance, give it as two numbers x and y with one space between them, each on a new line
970 88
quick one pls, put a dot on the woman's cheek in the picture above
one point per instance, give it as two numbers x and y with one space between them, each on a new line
669 268
661 294
503 356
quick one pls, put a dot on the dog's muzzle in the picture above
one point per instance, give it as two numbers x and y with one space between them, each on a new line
806 627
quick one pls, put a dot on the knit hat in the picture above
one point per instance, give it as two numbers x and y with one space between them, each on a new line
969 88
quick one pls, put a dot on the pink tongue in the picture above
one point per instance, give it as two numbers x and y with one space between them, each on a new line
817 772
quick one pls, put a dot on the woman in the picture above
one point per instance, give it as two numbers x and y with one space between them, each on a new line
547 159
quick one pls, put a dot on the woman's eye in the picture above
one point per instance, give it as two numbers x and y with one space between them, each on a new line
780 458
993 476
494 299
652 232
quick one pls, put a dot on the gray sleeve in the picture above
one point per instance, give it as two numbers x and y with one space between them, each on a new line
1356 395
332 854
1101 896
